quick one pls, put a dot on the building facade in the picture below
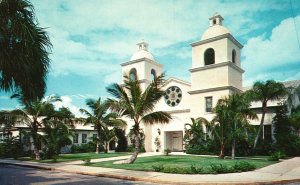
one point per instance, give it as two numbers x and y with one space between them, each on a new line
215 73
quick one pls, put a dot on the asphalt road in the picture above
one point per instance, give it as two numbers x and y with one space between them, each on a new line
15 175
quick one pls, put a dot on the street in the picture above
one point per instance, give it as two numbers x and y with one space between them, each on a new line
16 175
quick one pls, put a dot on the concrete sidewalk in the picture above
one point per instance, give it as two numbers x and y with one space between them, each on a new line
283 172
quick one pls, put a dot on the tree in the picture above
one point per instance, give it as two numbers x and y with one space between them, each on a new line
34 115
138 105
194 133
265 92
101 119
25 46
56 130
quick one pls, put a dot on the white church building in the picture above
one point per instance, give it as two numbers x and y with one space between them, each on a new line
215 73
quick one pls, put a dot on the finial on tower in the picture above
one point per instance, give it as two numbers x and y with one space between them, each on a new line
143 45
216 19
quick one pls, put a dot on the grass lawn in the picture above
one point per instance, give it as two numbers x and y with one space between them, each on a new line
79 156
147 163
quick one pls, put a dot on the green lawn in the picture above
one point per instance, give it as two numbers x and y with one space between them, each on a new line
79 156
147 163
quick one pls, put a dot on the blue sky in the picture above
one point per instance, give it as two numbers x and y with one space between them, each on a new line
91 38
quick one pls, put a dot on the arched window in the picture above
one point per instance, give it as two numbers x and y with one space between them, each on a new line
153 74
233 56
132 74
209 56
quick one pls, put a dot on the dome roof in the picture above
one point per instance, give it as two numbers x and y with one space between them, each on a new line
214 31
216 28
142 52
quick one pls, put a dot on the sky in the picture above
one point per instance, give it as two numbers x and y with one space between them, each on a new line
91 38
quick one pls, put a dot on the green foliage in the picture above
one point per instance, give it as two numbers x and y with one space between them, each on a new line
122 140
83 148
87 161
167 151
220 168
158 168
196 170
157 143
285 132
24 50
243 166
141 138
276 156
10 147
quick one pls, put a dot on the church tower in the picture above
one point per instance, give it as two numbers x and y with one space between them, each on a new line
216 68
142 65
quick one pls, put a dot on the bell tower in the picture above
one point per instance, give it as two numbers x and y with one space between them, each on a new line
216 68
142 65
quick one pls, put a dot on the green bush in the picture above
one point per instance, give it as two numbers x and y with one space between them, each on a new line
87 162
131 148
167 151
276 156
196 170
83 148
11 147
219 168
158 168
122 140
243 166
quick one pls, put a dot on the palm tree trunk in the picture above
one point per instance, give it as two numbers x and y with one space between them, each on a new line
105 147
260 126
136 148
222 151
233 149
37 153
97 147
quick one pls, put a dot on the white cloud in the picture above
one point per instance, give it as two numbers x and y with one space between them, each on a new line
281 49
67 102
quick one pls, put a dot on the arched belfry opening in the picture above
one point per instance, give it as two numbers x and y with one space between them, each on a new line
132 74
153 74
209 56
233 56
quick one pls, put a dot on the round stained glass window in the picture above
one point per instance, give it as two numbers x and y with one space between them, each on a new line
173 96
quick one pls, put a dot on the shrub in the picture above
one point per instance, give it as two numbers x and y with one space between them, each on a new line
11 147
219 168
83 148
131 148
158 168
87 161
122 140
276 156
196 170
167 151
243 166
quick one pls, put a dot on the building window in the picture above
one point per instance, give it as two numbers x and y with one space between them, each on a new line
95 136
208 104
233 56
75 138
132 74
209 56
84 138
153 74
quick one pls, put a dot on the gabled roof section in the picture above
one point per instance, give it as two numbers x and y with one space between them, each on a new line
177 80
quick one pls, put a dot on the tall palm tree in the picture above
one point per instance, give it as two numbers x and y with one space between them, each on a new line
237 108
265 92
137 105
34 115
25 46
101 119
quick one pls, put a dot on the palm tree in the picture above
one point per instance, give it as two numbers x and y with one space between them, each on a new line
195 135
25 46
34 115
265 92
137 105
101 119
237 108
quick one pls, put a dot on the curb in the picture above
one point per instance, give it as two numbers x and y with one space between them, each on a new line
131 178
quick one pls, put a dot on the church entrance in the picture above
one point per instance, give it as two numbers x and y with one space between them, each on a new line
174 141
